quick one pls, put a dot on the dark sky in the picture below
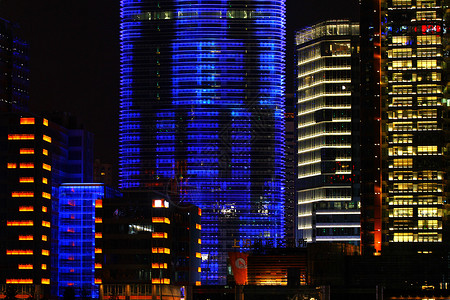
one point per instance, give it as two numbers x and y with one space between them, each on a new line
75 55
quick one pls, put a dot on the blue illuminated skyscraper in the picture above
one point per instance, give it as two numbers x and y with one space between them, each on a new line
202 115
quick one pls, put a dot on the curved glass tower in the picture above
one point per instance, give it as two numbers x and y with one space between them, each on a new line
202 115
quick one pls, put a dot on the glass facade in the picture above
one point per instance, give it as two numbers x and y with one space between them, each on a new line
202 115
78 230
328 148
414 103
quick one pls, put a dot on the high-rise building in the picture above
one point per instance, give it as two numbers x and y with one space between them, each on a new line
79 232
202 115
328 155
26 206
14 69
415 101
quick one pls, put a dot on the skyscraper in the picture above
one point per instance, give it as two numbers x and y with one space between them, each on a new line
328 132
415 102
202 115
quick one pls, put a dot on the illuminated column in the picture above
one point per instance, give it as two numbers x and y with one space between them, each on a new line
328 157
415 104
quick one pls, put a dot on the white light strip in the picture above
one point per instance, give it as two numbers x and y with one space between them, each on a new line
323 95
338 213
316 83
325 147
339 226
324 134
323 69
322 108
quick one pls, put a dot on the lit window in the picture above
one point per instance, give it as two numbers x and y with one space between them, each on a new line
46 195
19 281
45 281
198 255
44 238
98 203
26 179
47 138
20 136
26 151
46 167
44 180
46 224
44 266
98 235
12 165
159 235
45 152
25 267
22 194
45 122
26 121
19 252
45 252
97 281
26 165
98 266
19 223
26 208
44 208
25 238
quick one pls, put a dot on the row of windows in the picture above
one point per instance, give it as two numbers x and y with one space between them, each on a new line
408 237
410 52
410 150
419 40
415 200
410 126
419 3
412 114
421 101
420 64
415 77
422 212
409 187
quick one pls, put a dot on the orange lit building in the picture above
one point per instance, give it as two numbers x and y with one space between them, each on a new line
25 239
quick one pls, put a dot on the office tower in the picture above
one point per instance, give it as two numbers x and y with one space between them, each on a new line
328 132
79 232
26 206
147 239
415 104
202 115
14 69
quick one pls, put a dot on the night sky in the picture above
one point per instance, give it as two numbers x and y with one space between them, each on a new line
75 56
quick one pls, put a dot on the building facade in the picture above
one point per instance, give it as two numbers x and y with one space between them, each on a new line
147 239
14 68
80 221
328 156
415 104
202 115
